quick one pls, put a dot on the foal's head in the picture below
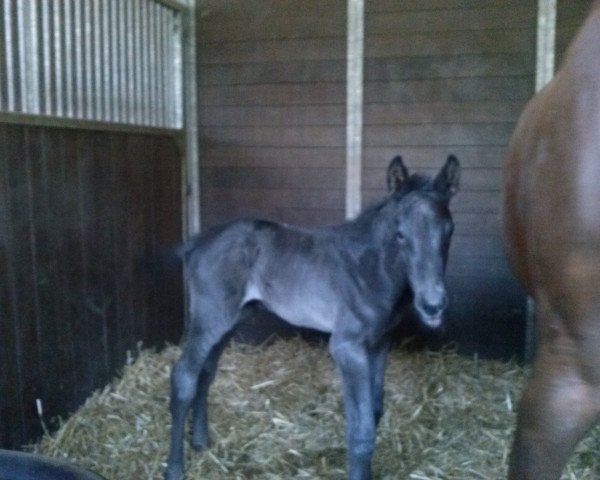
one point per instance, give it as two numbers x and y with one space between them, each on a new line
423 229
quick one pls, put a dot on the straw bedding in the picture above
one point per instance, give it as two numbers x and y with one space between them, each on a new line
276 413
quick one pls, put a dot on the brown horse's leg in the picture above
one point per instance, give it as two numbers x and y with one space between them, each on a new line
560 402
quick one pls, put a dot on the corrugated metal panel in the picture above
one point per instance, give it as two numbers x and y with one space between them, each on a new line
102 60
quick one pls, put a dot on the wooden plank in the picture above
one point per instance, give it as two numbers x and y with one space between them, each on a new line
266 199
438 134
396 113
429 156
244 9
221 155
482 42
13 425
446 18
268 25
54 352
274 94
410 91
288 178
333 48
384 68
450 90
277 136
168 277
99 239
500 41
427 67
292 115
290 71
418 5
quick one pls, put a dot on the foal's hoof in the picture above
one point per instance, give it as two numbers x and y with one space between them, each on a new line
174 473
200 444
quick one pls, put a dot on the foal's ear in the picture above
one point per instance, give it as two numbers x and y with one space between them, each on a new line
447 181
397 173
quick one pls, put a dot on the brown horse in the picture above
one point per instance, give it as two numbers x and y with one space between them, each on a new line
551 217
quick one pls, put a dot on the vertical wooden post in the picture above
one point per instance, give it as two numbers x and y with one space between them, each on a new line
354 106
191 165
546 41
544 71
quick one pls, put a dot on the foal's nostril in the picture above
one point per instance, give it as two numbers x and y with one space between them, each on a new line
432 310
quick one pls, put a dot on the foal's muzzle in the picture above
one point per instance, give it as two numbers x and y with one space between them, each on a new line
432 313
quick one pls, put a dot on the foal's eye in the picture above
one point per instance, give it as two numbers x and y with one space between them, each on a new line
400 237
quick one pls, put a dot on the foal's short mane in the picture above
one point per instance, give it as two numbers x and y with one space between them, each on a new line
415 182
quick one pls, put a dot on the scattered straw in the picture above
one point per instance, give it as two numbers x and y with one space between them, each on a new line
276 413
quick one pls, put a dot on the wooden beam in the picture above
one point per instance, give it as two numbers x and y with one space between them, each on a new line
354 106
546 43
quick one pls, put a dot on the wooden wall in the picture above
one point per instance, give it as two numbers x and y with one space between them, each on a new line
84 218
272 109
441 76
452 77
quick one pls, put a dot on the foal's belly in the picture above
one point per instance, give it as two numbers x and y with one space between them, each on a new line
307 303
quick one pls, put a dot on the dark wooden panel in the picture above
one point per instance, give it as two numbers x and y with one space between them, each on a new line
392 6
305 71
442 112
218 155
450 43
450 90
411 91
273 110
438 134
391 68
248 10
269 26
319 93
274 50
277 136
394 113
427 67
82 231
453 77
490 17
289 116
431 156
272 198
266 178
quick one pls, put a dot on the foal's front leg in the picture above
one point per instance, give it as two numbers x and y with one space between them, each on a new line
353 363
377 359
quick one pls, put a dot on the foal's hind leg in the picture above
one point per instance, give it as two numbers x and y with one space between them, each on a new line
184 380
184 388
200 437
